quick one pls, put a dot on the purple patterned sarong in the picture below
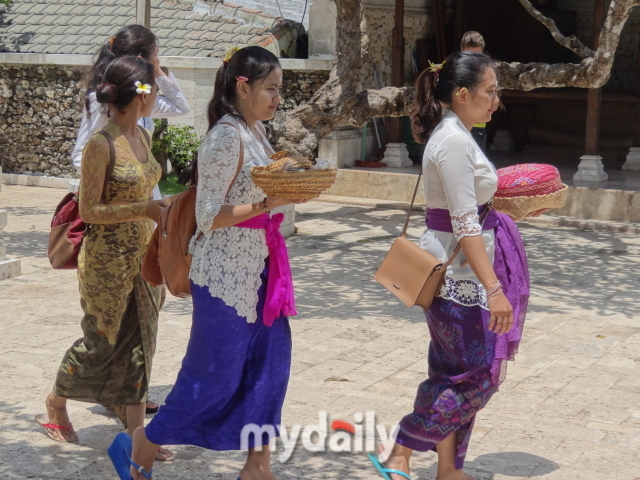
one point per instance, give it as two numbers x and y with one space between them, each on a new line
466 360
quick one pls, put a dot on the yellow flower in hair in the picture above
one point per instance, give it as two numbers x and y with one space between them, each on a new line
229 52
436 67
142 88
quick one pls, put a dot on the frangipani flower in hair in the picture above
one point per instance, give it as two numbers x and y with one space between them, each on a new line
142 88
436 67
229 52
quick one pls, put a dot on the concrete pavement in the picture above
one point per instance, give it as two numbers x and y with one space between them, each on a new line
569 409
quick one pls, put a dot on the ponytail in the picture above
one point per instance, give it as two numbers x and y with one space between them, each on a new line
254 63
435 87
223 96
427 112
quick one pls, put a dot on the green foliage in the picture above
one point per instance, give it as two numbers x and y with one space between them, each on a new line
179 144
6 2
171 186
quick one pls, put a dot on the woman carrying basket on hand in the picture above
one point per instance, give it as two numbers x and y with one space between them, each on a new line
236 368
476 323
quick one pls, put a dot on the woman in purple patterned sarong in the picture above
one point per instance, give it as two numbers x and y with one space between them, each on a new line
476 322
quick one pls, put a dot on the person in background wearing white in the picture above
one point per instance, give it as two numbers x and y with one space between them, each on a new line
137 41
133 40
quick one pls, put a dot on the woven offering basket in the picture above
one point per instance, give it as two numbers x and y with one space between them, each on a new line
528 190
292 184
519 208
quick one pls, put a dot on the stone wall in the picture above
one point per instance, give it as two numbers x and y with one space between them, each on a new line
299 86
379 27
40 109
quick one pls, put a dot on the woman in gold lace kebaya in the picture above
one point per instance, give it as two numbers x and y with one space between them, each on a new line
111 363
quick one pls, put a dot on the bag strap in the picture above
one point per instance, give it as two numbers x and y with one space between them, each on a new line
112 161
413 199
146 135
455 252
240 159
240 163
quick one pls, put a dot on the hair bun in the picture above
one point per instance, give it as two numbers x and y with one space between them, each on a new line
106 93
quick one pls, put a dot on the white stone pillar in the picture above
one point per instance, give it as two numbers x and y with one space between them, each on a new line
74 185
322 28
633 159
396 155
343 147
590 169
287 228
8 268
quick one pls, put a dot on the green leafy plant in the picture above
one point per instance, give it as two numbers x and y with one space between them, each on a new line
171 185
179 143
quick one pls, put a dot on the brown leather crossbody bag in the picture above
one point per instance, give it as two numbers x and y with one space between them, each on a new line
411 273
167 260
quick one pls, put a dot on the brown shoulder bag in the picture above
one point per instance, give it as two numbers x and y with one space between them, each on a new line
411 273
167 260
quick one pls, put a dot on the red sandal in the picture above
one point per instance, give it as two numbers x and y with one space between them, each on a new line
42 420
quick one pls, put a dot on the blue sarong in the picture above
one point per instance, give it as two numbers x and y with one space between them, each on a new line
233 374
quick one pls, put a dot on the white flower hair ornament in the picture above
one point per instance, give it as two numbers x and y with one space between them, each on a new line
142 88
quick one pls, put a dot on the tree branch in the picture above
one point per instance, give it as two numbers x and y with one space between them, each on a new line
386 102
591 72
572 43
337 103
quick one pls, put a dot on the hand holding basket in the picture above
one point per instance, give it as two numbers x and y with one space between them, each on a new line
292 178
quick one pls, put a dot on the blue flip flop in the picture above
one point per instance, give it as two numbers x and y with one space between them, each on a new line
384 472
120 455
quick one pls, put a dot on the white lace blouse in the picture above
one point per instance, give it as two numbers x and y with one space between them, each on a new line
459 178
229 260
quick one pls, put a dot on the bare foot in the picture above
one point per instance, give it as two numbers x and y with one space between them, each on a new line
57 415
267 474
393 460
143 453
455 475
151 405
164 455
252 472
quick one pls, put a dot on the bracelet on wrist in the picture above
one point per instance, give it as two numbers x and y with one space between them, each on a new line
264 205
497 288
495 293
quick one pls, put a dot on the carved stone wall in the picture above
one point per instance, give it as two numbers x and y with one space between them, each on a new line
40 109
380 23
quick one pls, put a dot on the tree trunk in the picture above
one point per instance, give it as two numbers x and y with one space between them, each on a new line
338 103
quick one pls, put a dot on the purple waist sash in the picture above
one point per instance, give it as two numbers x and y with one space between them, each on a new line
512 269
439 219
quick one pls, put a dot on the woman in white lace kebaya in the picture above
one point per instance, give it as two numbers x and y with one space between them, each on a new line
471 323
236 369
131 40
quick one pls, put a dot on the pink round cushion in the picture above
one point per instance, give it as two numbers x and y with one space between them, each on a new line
528 180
